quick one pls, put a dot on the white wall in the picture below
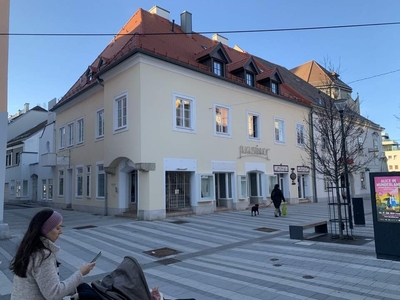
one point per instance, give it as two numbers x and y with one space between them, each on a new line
25 122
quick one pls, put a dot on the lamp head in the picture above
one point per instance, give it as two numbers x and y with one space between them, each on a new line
340 104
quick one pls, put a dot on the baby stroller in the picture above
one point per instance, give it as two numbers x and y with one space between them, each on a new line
126 282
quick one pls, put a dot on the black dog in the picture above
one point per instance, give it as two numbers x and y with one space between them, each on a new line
254 210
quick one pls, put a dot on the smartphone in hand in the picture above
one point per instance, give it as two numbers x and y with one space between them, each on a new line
96 257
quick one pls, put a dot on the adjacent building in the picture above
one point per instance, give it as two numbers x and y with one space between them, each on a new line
29 170
392 153
371 146
178 121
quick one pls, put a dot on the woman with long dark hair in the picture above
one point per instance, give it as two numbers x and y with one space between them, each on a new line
35 266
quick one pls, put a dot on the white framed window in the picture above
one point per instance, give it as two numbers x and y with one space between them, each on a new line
376 147
250 79
274 87
70 133
61 136
279 130
12 187
184 117
17 158
100 123
120 112
18 188
300 135
217 68
242 179
80 130
206 187
324 143
253 126
362 179
222 120
79 182
100 181
50 189
60 183
88 181
25 188
360 143
44 189
9 158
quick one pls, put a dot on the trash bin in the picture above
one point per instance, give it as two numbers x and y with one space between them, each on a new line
358 211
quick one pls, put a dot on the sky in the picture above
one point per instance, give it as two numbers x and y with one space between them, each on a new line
42 68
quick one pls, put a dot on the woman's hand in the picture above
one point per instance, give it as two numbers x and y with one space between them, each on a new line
86 268
155 294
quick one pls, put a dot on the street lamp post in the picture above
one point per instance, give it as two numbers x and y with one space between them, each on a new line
340 106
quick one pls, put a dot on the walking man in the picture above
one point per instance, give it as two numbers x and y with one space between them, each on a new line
277 197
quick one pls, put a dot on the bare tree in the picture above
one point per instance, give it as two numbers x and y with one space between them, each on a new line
325 150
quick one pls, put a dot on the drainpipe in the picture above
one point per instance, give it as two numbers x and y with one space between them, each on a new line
314 177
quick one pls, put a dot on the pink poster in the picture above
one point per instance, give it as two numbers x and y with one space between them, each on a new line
387 191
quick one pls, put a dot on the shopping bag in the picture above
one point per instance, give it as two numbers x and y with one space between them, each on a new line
284 209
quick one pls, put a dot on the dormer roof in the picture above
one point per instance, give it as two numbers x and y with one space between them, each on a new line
247 64
217 51
272 73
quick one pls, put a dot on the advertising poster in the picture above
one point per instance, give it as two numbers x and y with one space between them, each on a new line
387 198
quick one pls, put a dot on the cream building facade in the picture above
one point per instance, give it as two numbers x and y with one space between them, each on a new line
151 136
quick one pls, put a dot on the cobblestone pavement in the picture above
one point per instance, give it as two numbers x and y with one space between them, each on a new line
222 255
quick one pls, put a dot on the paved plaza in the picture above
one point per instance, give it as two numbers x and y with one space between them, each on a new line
221 255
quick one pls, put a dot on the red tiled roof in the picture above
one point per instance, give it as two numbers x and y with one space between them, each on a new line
151 33
315 74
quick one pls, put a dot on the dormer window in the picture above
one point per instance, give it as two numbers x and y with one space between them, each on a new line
215 58
218 68
274 87
245 69
249 79
271 79
102 63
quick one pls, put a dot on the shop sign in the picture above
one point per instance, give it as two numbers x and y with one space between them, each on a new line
281 168
62 160
253 151
303 169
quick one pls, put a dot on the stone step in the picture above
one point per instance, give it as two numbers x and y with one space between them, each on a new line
304 201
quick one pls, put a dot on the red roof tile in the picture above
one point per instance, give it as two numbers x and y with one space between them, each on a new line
153 34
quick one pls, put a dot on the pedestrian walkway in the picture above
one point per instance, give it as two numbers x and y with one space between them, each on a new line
226 255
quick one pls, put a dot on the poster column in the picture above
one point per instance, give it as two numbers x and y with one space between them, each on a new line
385 197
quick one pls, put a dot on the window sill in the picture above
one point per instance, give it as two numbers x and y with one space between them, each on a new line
223 135
206 200
121 129
185 130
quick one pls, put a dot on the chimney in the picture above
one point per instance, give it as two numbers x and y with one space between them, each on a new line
159 11
186 22
220 38
51 103
26 107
